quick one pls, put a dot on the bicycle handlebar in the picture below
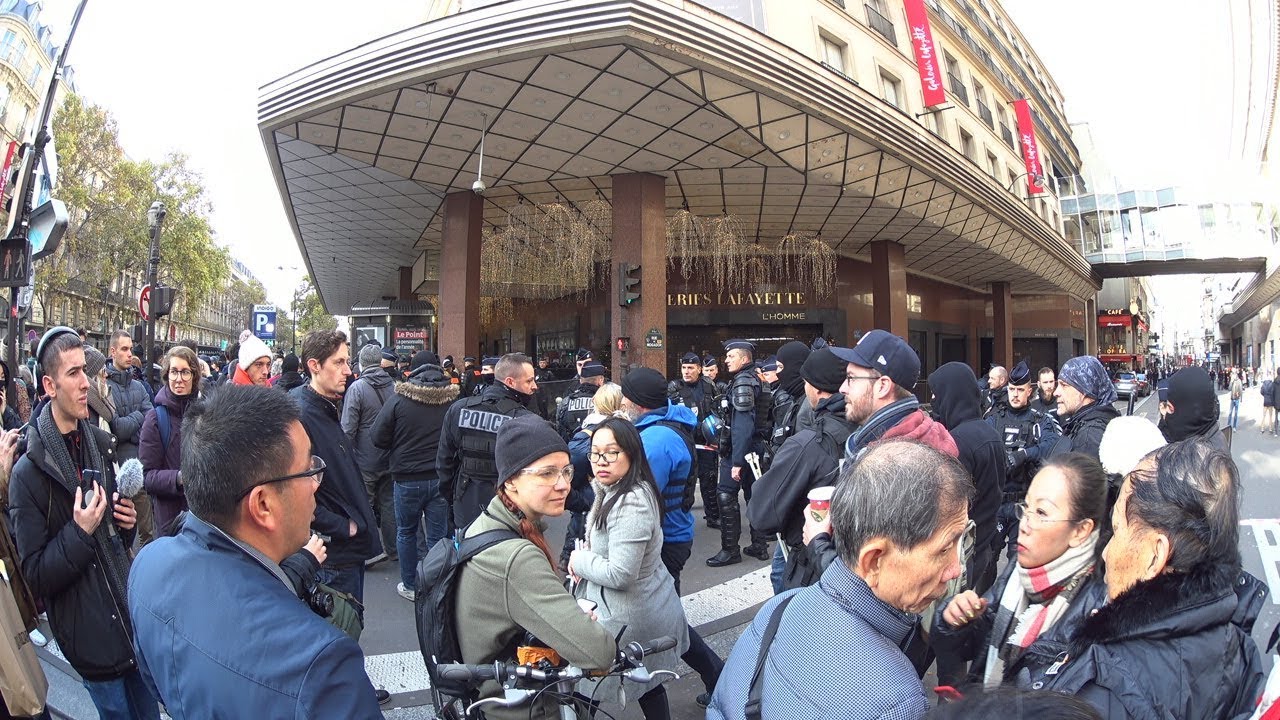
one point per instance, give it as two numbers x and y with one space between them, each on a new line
634 651
630 654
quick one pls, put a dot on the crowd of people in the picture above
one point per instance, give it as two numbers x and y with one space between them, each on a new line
203 544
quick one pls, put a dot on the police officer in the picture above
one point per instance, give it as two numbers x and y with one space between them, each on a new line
746 425
699 395
768 372
580 402
788 396
465 456
470 375
485 378
711 371
544 374
1029 435
583 357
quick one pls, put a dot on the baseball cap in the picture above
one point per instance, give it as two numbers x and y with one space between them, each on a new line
885 353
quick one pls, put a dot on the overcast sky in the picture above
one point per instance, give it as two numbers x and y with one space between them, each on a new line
1148 75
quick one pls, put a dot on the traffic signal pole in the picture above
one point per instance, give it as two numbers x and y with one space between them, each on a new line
155 219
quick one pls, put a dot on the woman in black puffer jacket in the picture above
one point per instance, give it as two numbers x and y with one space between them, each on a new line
1173 639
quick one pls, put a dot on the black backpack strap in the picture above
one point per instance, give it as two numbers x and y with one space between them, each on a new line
756 688
472 546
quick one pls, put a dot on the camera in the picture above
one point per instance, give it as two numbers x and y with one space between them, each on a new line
478 187
317 598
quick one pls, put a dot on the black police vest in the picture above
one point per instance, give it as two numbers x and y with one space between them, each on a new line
478 421
574 409
783 418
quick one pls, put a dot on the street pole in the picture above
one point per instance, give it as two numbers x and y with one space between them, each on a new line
155 218
293 312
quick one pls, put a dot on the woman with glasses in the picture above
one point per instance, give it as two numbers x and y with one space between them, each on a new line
512 590
160 443
1022 620
620 568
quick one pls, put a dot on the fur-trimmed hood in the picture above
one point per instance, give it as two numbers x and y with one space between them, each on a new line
1167 606
428 385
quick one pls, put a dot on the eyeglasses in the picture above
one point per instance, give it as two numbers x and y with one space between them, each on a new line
316 473
607 457
1036 518
872 378
181 374
550 476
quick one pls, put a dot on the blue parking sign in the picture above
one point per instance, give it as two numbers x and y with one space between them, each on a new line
264 322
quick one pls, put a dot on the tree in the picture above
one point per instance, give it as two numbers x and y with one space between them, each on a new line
311 313
189 258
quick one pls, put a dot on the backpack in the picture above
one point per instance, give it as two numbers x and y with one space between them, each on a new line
435 605
165 426
690 483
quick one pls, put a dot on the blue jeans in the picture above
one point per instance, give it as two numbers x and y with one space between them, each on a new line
1233 416
349 580
124 698
776 571
413 499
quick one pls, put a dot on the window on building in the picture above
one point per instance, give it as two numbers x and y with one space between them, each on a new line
1006 132
878 19
34 76
833 52
6 44
954 83
21 53
933 124
993 165
1013 182
966 143
890 89
984 111
5 93
23 115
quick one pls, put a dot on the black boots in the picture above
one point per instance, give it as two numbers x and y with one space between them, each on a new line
730 532
759 547
710 505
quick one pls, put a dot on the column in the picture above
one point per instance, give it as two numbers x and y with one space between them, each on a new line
406 283
459 310
1091 326
1002 324
639 237
889 287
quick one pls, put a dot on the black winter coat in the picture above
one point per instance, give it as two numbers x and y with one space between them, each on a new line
408 427
341 496
63 565
956 402
1082 432
1176 646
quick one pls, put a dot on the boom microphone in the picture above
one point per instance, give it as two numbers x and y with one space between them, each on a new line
129 478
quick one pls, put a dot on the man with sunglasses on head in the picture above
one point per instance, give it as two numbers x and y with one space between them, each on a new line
245 645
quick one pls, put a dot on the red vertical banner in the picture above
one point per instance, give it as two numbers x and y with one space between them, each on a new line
926 53
1030 150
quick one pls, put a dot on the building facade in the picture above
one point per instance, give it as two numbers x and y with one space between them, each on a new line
728 154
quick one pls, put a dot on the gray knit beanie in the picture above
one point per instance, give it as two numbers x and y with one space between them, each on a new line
370 356
523 439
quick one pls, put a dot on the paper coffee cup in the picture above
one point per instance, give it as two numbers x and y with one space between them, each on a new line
820 502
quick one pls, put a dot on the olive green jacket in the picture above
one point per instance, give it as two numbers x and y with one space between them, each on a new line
511 588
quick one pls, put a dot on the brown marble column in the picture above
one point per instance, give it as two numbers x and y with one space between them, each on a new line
1002 324
459 309
889 287
1091 326
639 237
406 283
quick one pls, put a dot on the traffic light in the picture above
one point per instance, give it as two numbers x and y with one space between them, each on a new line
628 283
138 333
162 301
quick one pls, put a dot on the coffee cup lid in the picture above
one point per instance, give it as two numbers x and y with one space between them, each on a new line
822 493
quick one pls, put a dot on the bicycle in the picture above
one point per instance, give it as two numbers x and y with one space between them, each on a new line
527 683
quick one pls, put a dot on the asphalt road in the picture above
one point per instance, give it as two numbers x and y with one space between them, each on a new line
719 602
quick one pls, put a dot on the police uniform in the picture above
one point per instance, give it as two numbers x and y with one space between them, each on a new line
746 426
578 404
465 458
701 397
1029 434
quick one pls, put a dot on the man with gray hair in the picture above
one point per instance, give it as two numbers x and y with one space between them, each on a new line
360 407
465 458
898 515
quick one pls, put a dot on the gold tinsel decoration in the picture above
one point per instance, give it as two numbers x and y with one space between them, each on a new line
547 251
807 261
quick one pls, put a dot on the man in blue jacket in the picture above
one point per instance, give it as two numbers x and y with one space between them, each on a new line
246 645
666 431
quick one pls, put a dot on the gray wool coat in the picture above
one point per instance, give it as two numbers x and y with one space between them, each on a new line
622 572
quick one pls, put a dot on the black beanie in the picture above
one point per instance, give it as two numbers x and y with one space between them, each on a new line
523 439
792 356
290 363
424 357
645 387
824 370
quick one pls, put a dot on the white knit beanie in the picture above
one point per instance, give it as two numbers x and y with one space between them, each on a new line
1126 441
251 349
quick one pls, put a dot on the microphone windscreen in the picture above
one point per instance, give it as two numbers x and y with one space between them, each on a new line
129 479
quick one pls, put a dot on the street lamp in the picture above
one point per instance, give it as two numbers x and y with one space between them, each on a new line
1036 179
155 219
293 309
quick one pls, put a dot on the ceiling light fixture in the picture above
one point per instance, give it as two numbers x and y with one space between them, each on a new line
614 92
784 134
705 125
562 75
663 108
478 187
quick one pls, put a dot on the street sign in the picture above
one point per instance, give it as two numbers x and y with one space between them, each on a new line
144 302
653 341
264 321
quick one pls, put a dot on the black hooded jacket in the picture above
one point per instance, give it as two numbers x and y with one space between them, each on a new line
1083 431
957 403
1195 408
1175 646
408 426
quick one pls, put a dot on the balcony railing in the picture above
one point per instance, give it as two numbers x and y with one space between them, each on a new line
984 112
957 88
881 24
1007 134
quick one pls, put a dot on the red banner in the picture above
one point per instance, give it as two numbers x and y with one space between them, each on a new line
926 53
1030 150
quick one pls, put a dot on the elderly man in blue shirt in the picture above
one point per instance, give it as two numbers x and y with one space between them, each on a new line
836 649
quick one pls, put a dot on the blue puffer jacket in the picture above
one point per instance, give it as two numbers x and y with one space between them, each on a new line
669 458
199 657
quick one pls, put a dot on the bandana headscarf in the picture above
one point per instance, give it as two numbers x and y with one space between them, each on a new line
1088 376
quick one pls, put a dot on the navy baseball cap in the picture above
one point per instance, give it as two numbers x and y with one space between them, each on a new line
885 353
